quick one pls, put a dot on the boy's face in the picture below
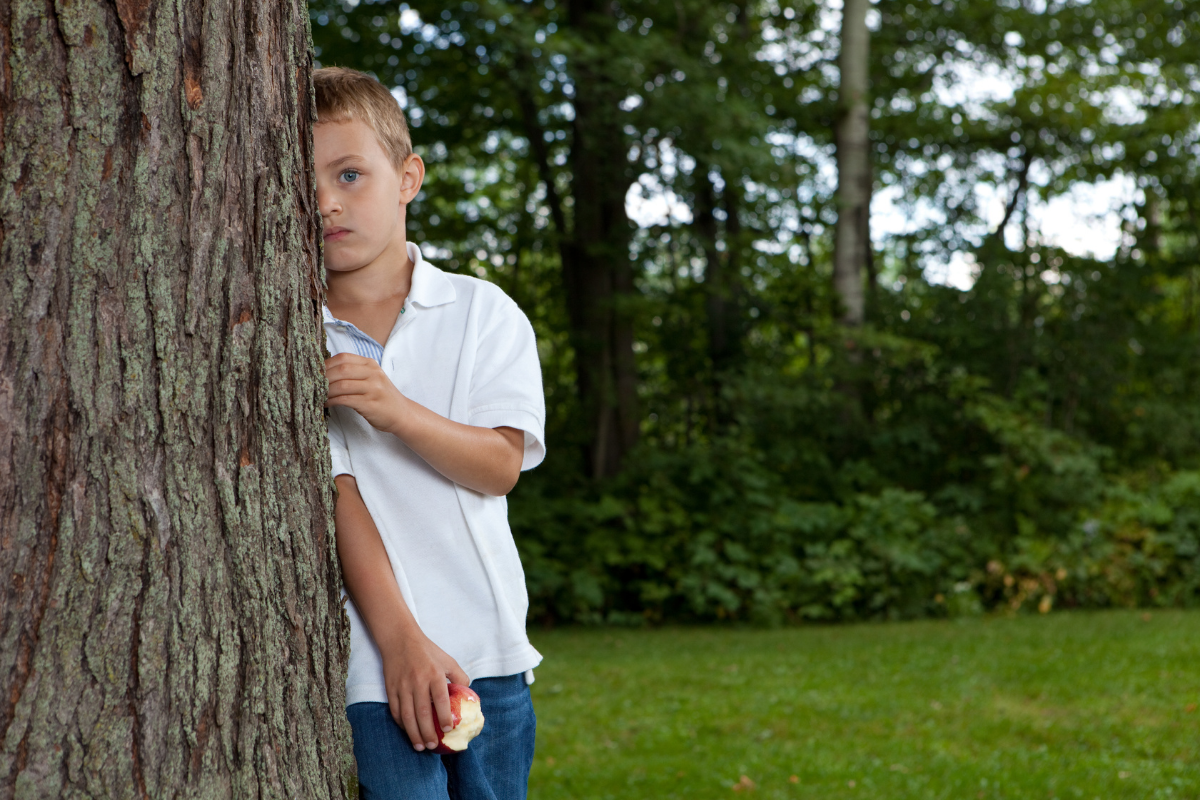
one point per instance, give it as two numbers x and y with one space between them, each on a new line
362 197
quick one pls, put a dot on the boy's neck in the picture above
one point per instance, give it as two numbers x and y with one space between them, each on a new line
384 281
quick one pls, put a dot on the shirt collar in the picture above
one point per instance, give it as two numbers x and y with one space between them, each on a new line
430 287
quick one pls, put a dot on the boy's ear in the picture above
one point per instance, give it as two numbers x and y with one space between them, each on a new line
412 175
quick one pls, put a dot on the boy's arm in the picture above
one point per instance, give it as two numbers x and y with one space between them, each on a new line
414 668
487 460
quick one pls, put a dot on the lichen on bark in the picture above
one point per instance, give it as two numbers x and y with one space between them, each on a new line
171 623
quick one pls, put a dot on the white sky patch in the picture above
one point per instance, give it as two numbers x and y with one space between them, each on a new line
960 272
971 85
889 218
410 20
650 203
401 96
807 148
1123 106
1087 220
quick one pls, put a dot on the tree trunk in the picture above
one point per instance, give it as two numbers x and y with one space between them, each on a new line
720 281
852 246
597 272
171 625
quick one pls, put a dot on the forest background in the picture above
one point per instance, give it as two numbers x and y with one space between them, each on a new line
1015 424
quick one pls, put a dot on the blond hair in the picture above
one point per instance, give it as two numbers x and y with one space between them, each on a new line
346 94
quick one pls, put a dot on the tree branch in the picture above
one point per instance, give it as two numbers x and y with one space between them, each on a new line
1022 185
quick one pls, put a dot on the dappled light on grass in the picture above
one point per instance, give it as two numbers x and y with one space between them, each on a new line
1061 705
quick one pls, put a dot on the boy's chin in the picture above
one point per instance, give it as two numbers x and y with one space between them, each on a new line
344 261
332 267
344 264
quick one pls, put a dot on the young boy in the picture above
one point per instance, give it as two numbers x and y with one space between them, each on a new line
436 405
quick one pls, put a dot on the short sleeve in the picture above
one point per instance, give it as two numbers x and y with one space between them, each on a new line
338 452
506 387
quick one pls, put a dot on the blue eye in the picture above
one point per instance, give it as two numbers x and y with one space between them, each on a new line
350 175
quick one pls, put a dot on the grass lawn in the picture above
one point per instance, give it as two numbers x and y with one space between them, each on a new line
1091 705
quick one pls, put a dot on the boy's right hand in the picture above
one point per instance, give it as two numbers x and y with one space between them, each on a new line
360 383
415 671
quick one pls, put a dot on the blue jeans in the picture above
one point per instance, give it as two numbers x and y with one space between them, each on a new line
494 767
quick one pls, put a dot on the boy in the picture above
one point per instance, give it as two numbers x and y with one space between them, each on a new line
436 406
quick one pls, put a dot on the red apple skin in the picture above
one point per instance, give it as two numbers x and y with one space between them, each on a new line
458 693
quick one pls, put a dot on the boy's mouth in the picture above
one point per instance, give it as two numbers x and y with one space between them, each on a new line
335 233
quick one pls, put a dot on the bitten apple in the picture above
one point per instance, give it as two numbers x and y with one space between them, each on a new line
466 720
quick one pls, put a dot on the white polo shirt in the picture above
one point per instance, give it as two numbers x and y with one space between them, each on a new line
461 348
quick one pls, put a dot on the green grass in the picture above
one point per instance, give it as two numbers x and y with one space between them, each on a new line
1090 705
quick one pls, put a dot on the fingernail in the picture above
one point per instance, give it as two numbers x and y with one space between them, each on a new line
418 747
446 729
431 745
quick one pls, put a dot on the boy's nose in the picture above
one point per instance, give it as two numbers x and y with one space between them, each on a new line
327 202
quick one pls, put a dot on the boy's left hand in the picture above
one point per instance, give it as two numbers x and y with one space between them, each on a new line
359 383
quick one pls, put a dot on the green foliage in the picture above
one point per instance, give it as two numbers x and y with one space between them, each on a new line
1142 548
710 534
713 533
1026 443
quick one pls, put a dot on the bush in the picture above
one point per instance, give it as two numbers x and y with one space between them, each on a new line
710 536
1139 547
713 533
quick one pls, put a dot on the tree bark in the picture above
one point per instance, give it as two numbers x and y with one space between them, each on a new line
852 246
597 272
720 281
171 624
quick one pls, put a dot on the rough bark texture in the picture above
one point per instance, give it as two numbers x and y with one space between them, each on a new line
171 624
852 246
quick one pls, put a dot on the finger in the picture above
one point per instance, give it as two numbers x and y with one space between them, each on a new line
356 402
394 704
441 704
357 372
408 720
344 387
425 721
346 400
346 358
456 675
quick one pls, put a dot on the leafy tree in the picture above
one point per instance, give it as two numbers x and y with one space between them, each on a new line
986 424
